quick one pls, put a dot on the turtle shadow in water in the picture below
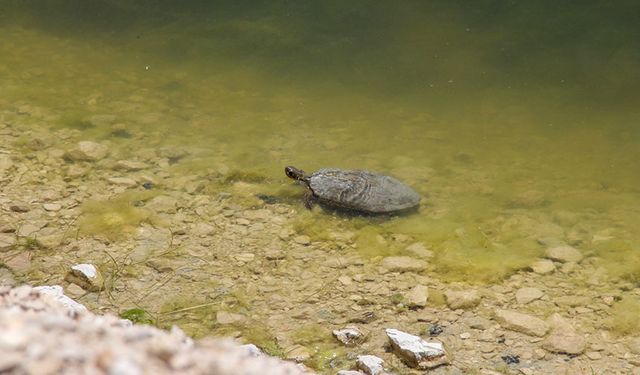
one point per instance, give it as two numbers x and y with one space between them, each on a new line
350 213
338 211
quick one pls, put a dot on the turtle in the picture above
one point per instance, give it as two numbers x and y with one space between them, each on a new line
355 190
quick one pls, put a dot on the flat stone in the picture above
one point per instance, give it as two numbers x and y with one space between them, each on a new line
87 151
350 372
245 257
403 264
417 296
274 254
564 253
370 364
464 299
349 336
302 240
123 181
163 203
131 165
565 343
87 276
543 267
519 322
419 250
415 351
225 317
7 241
52 207
526 295
634 345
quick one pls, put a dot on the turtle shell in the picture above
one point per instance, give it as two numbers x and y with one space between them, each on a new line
362 191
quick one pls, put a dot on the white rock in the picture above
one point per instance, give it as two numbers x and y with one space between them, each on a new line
370 364
417 296
341 372
564 254
416 351
526 295
348 336
519 322
55 292
403 264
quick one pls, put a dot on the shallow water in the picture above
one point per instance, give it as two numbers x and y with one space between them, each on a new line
517 122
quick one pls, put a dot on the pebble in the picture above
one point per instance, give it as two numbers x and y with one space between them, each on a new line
417 296
403 264
302 240
52 207
463 299
349 372
123 181
519 322
86 276
593 355
415 351
245 257
564 253
349 336
543 267
370 364
274 254
526 295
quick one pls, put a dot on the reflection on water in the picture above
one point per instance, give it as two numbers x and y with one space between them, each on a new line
518 122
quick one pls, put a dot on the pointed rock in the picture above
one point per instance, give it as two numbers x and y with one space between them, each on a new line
415 351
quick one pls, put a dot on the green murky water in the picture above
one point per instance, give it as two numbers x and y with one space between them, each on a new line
517 121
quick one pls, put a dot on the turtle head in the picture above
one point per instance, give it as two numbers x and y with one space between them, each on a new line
295 173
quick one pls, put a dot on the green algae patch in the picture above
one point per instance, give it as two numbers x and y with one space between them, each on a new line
624 317
618 257
117 217
138 316
481 261
324 350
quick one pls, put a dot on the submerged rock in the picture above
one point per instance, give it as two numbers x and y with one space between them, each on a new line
403 264
526 295
564 254
87 276
415 351
87 151
563 337
543 267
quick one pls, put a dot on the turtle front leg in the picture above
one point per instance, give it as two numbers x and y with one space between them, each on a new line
309 199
